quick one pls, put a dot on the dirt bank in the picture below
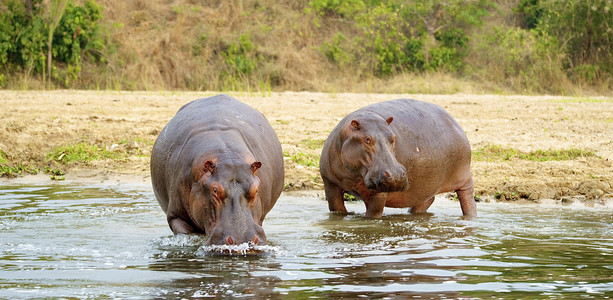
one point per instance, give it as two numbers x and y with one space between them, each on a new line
33 124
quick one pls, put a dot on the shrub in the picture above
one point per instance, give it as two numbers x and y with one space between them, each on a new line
396 36
23 38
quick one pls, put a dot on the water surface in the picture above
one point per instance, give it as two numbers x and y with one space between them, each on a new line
107 242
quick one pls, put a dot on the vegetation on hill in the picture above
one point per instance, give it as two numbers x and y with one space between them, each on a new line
442 46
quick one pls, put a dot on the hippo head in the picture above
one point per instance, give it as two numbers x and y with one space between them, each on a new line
368 150
225 202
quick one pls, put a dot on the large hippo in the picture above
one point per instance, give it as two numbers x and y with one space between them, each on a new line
398 153
217 169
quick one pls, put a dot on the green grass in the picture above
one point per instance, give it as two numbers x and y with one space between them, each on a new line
56 174
82 153
313 144
2 157
13 171
305 159
497 153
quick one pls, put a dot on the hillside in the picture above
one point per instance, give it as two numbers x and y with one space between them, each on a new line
469 46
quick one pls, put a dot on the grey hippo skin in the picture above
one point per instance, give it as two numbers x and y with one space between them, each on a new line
398 153
217 169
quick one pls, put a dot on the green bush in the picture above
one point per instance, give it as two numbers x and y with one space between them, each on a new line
23 38
240 56
397 36
334 51
529 13
583 29
527 60
78 37
344 8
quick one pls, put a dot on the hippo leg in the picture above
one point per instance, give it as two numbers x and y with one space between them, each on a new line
334 196
467 200
375 205
422 207
179 226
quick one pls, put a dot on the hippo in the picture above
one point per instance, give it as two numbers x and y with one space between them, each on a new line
217 169
398 153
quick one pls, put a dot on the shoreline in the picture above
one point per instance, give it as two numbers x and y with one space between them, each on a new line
142 182
520 144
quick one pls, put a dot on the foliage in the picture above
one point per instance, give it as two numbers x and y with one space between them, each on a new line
240 56
530 61
526 46
79 37
529 13
241 60
23 38
583 29
343 8
398 36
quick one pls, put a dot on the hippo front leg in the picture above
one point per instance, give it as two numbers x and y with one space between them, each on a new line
334 196
375 204
180 226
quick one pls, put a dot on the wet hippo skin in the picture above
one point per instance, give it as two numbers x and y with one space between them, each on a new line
398 153
217 169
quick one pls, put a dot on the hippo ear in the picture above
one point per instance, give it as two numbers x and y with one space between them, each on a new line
389 120
356 125
205 170
255 166
209 167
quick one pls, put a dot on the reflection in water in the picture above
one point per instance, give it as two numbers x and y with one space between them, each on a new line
66 241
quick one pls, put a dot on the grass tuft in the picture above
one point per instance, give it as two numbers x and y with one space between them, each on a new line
305 159
313 144
82 153
498 153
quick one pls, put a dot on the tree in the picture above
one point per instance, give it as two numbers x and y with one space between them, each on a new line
56 10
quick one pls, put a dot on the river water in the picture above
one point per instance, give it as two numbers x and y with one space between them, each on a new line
66 241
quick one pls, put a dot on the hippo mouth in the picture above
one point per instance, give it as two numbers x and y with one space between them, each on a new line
387 186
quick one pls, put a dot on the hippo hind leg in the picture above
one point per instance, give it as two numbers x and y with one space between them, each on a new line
422 207
467 200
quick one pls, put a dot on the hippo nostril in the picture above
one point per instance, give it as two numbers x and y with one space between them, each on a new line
229 240
256 239
387 174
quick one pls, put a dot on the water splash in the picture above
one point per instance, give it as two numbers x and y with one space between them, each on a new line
243 249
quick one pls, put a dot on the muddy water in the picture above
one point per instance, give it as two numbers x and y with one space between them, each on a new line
102 242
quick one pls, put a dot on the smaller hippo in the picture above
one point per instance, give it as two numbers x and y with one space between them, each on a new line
399 153
217 169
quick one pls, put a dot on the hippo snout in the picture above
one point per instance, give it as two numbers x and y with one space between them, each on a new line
391 180
254 236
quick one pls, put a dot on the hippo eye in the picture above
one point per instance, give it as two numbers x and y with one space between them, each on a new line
215 191
368 140
253 191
